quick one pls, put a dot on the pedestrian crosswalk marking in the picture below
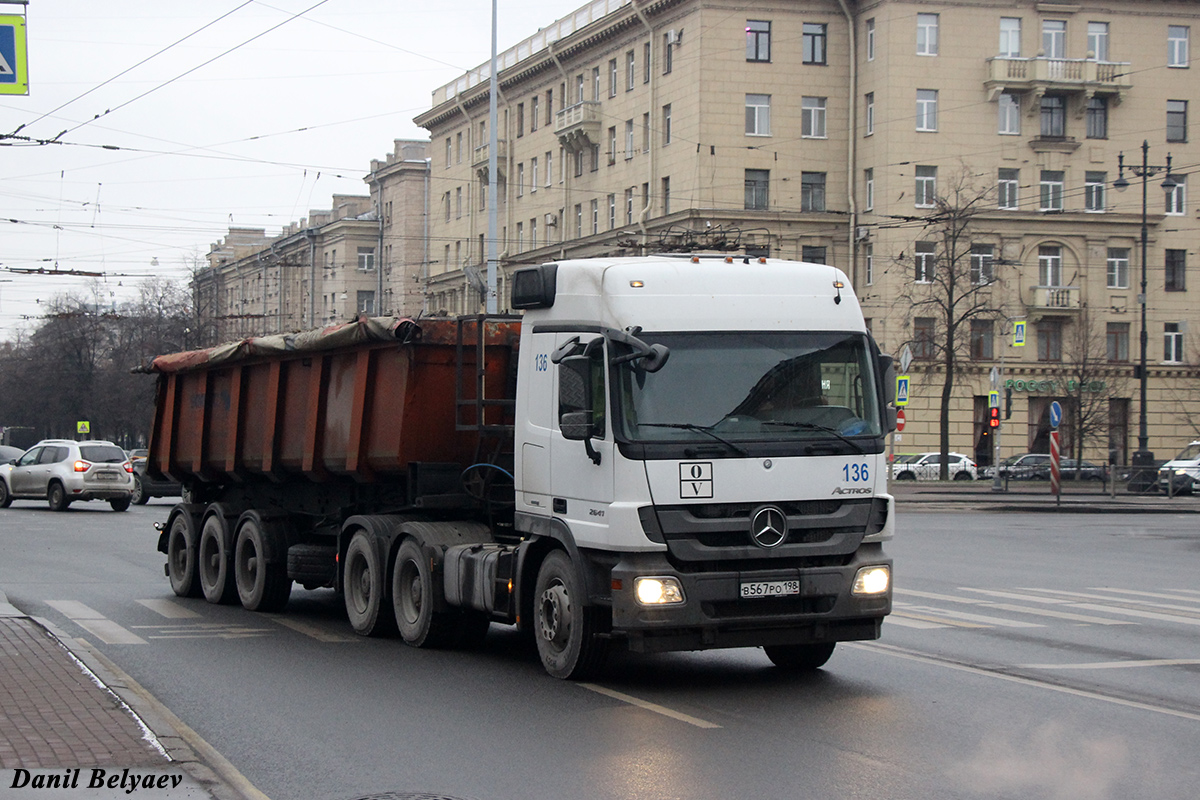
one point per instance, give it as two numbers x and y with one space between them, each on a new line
1149 662
968 617
1041 612
169 609
209 630
1156 595
320 634
95 623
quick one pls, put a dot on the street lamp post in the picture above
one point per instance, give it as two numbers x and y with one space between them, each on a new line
1143 459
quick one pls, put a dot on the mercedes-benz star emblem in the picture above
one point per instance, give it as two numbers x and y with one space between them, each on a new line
768 527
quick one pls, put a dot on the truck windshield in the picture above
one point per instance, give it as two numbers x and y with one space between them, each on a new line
751 386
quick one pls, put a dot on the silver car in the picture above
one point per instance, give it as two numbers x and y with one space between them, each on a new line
62 471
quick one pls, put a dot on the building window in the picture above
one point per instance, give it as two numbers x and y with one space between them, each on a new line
869 264
924 261
521 180
645 133
870 40
1177 46
926 187
533 113
1098 40
1054 116
1007 189
927 109
870 115
758 40
1054 38
1010 114
813 254
595 209
666 195
579 220
612 77
630 71
449 152
446 204
666 58
1177 196
982 340
1010 37
521 119
612 211
1097 118
549 106
758 115
1049 339
578 159
666 123
520 238
366 303
612 145
1093 191
1117 339
983 264
628 139
458 208
533 233
1118 268
1176 263
1050 265
869 181
1177 120
757 184
549 168
812 191
924 345
927 34
814 43
1172 342
812 117
366 259
629 206
533 174
1051 190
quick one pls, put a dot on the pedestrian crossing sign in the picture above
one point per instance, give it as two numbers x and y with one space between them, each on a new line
14 64
1019 333
901 390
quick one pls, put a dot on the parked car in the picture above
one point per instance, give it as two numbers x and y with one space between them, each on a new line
1067 471
1181 475
146 486
8 453
927 467
1025 467
63 471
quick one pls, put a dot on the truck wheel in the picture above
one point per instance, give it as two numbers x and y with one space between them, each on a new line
413 598
312 566
564 628
140 497
216 575
363 584
56 496
182 560
800 657
262 582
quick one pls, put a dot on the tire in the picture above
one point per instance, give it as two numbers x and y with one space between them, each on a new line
5 496
906 476
565 630
414 599
312 566
258 572
962 475
119 504
183 560
56 496
800 657
215 560
140 497
365 587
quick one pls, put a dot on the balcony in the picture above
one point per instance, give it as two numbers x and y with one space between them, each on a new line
1056 299
578 126
479 159
1061 75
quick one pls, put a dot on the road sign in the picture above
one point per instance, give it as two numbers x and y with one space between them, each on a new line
14 65
995 378
901 390
1019 333
900 420
993 399
905 358
83 427
1055 414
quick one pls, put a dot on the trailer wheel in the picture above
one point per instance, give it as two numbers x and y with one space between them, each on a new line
800 657
364 587
262 581
413 600
182 558
216 574
564 628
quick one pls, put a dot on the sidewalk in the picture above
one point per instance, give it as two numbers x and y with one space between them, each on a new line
74 727
1027 496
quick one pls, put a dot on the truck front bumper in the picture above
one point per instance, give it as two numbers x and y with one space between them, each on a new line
713 613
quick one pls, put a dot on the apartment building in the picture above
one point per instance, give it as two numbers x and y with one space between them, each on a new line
904 142
365 255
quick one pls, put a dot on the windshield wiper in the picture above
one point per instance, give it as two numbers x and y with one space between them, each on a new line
812 426
688 426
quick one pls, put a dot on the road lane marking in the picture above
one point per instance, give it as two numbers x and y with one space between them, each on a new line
209 630
1149 662
1040 612
897 618
1135 612
1156 595
318 633
931 622
1016 595
896 652
963 615
648 706
1120 602
95 623
169 609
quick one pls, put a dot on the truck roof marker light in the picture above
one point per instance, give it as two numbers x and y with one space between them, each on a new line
695 259
637 284
728 259
838 285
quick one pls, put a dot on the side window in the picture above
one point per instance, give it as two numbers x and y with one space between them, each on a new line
582 384
31 457
52 455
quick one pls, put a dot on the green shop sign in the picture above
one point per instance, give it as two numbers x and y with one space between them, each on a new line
1051 386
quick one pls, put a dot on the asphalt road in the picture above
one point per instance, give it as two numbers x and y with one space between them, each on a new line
1030 656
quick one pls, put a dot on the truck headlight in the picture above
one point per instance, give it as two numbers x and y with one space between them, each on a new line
657 591
871 581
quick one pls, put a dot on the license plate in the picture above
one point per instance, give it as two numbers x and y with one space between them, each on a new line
106 476
770 588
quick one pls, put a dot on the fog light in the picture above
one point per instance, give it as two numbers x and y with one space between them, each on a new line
871 580
657 591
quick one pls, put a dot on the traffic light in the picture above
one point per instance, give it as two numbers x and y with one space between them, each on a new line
993 417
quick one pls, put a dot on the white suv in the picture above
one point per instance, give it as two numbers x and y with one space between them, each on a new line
928 467
62 471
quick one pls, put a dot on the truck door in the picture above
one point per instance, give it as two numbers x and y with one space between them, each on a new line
581 471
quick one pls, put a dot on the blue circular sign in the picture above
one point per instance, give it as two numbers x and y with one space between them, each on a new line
1055 414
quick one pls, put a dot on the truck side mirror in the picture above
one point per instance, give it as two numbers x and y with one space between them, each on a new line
576 425
887 375
576 415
